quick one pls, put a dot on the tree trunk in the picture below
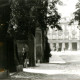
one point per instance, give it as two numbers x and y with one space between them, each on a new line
15 52
31 50
10 55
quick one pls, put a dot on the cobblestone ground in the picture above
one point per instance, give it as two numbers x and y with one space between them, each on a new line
59 66
38 76
30 76
33 76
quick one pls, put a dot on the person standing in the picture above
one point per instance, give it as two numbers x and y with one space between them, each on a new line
24 55
25 52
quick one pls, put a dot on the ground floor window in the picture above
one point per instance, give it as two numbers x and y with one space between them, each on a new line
65 46
54 46
60 47
74 46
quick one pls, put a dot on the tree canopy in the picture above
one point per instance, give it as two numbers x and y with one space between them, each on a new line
77 12
53 16
25 18
17 23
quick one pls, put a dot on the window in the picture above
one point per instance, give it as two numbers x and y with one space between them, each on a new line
66 46
54 46
74 46
60 47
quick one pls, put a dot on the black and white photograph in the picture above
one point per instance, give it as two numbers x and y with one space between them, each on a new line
39 39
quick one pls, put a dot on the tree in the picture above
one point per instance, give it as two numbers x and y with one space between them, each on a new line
77 12
22 26
18 24
47 15
53 16
26 17
52 20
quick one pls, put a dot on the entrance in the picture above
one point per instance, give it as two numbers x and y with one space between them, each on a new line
74 46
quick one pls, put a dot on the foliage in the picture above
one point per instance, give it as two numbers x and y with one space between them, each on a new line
48 15
18 23
53 15
24 19
77 12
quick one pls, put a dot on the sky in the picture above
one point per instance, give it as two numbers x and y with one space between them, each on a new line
68 7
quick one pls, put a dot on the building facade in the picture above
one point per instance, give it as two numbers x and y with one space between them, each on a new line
66 39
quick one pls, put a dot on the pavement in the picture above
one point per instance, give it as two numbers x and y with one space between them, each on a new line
52 69
55 71
70 70
64 56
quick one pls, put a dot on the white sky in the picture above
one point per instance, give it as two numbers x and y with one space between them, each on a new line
68 7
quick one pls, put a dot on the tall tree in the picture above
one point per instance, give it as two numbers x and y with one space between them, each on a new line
52 20
53 16
26 17
18 24
22 24
77 12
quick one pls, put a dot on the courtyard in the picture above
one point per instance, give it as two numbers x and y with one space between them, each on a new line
52 71
55 71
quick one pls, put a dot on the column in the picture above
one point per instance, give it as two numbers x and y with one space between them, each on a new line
79 39
63 46
78 45
51 46
57 46
70 46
